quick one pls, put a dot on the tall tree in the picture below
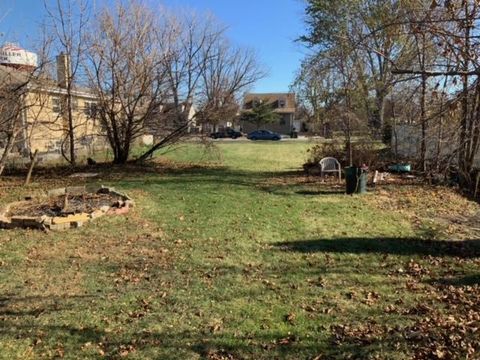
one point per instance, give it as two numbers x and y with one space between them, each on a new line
188 41
68 21
150 70
229 71
126 73
202 69
309 88
372 46
453 25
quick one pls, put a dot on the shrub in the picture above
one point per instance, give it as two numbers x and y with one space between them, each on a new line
319 151
364 152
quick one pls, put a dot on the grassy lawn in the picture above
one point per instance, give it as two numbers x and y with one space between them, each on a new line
231 253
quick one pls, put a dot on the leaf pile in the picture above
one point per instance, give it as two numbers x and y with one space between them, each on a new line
449 331
443 209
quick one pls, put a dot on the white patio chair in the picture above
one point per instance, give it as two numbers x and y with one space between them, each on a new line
330 165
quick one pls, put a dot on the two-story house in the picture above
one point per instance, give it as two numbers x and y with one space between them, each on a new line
283 104
41 104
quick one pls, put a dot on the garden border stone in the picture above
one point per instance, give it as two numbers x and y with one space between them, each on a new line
55 223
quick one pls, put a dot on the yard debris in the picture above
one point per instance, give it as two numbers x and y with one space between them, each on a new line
219 355
215 326
452 333
287 340
64 208
441 209
83 175
371 298
362 334
290 318
380 176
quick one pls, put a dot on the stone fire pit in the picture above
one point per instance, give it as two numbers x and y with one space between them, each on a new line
64 208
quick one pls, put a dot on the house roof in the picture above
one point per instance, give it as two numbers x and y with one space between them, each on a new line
10 76
289 98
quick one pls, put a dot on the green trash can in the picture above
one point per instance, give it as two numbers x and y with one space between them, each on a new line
356 180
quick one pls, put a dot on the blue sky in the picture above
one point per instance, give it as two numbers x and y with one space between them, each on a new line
269 26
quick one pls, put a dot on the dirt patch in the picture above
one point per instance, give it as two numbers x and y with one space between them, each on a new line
58 206
64 208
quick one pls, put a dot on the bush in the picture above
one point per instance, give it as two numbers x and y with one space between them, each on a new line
364 152
327 149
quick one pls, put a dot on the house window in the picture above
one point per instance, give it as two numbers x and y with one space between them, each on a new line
281 103
87 140
256 102
74 104
90 109
56 105
283 120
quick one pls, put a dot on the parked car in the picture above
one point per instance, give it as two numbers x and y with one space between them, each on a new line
227 133
263 135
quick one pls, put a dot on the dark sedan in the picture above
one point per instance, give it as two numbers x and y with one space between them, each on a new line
228 133
263 135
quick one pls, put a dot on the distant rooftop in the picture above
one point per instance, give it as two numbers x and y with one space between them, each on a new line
282 102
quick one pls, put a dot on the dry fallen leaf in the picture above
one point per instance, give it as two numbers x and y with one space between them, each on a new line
290 318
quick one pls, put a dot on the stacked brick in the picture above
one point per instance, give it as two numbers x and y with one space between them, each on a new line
45 222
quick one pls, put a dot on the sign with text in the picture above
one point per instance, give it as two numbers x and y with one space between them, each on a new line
15 55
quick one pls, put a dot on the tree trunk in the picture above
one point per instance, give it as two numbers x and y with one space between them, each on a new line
120 156
6 151
474 132
394 132
30 169
462 154
349 143
71 131
319 123
378 113
423 122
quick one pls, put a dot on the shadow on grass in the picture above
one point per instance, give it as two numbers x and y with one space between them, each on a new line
395 246
22 318
12 305
48 336
285 183
43 321
290 182
319 192
280 183
469 280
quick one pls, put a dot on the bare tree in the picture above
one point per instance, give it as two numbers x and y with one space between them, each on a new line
12 96
313 87
19 98
454 27
203 70
360 26
228 72
150 69
187 43
68 21
127 74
